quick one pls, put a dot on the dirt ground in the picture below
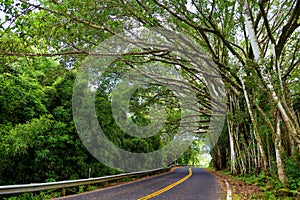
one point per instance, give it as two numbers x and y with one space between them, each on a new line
240 189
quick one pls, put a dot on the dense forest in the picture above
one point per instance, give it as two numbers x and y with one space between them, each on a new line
253 45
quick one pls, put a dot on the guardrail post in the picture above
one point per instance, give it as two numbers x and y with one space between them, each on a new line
88 188
105 183
63 191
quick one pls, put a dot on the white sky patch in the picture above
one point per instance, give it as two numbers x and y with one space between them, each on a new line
190 7
2 15
4 24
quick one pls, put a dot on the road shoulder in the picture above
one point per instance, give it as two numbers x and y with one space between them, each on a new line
240 189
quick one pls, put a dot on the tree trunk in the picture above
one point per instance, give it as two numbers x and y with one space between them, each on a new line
232 151
255 129
280 169
231 138
291 125
239 151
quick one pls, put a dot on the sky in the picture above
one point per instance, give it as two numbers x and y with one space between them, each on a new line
2 14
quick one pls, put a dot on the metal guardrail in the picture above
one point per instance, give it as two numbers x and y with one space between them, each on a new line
34 187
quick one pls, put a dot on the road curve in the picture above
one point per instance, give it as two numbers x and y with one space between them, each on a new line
182 184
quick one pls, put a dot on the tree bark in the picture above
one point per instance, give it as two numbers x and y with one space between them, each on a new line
280 169
232 151
231 138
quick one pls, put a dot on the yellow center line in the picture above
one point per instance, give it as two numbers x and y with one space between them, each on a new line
168 187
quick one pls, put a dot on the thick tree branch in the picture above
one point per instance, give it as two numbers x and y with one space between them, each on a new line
290 69
288 29
20 54
266 21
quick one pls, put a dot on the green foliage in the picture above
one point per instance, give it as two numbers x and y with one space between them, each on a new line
35 196
38 140
271 185
292 169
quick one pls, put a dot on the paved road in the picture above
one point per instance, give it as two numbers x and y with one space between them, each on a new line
182 184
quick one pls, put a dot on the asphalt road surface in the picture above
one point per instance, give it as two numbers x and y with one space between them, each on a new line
181 184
